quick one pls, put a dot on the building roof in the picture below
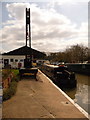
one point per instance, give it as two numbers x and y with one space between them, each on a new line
26 51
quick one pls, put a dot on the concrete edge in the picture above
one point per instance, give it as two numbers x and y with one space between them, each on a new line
75 104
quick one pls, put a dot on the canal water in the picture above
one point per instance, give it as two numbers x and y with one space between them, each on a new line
80 94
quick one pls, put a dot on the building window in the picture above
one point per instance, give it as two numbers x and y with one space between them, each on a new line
16 60
21 60
0 60
11 60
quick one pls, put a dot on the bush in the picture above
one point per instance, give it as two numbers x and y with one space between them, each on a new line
10 91
15 71
5 73
16 78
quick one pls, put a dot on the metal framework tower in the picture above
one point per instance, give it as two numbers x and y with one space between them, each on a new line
28 32
28 59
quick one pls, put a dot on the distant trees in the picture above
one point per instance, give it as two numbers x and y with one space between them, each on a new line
74 54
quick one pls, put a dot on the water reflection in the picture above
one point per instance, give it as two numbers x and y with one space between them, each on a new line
81 93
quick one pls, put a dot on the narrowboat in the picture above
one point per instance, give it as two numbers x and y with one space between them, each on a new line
60 75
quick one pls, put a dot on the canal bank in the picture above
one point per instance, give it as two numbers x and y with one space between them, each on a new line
41 99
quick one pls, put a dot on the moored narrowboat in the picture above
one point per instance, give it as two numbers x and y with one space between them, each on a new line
60 75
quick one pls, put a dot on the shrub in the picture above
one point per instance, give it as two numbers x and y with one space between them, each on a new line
10 91
5 73
16 78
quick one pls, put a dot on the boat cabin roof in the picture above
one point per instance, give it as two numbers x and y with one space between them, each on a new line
55 66
52 66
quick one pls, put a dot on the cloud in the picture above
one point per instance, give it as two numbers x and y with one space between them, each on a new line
50 31
16 10
71 1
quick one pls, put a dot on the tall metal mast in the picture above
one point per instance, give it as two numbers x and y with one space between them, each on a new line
28 32
28 56
28 59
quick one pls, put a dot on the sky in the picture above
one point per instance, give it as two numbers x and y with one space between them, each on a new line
55 25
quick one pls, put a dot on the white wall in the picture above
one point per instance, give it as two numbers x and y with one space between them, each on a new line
14 64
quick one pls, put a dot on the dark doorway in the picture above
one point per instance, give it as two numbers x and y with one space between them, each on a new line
6 62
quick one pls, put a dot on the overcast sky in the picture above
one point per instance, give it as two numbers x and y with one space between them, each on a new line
55 25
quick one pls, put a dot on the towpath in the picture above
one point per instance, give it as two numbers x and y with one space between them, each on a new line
39 99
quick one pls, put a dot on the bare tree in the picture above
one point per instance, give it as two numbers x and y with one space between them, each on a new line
76 53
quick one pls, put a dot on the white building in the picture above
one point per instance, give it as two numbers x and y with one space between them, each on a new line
16 57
